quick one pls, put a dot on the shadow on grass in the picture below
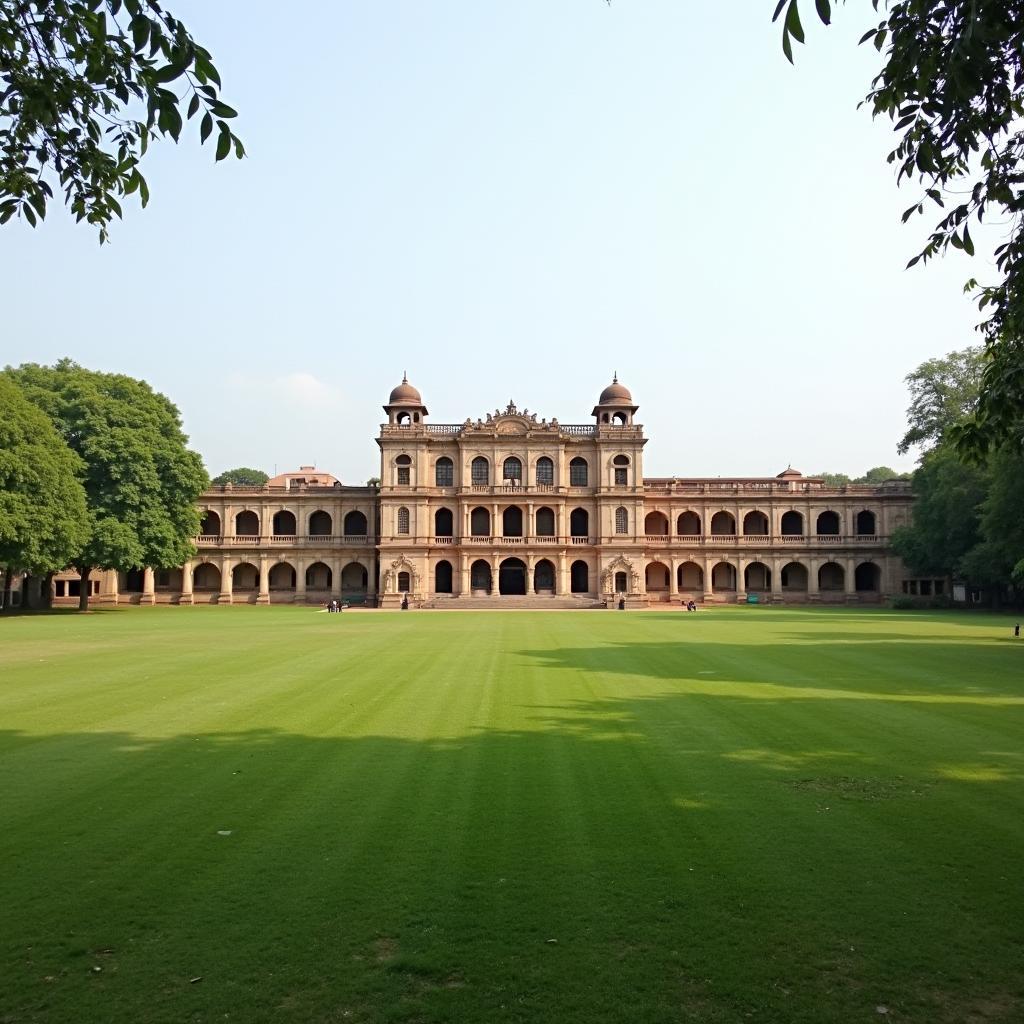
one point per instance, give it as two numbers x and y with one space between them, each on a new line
632 859
896 669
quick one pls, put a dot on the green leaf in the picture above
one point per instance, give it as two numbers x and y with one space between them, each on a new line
223 145
793 26
193 105
824 11
205 127
968 244
222 109
140 32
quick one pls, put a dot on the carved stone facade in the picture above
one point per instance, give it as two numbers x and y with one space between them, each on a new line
511 508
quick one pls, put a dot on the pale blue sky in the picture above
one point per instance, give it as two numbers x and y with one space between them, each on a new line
510 200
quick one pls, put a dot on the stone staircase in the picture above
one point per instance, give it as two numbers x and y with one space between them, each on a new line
509 602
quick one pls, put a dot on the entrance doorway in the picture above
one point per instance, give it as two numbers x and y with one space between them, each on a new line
512 576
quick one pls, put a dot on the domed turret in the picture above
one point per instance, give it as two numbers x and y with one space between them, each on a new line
405 394
615 407
405 406
615 394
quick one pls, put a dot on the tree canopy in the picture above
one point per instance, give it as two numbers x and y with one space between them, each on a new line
85 85
243 476
43 518
141 480
952 84
943 392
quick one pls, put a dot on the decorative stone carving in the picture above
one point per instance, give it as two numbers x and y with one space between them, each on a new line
620 564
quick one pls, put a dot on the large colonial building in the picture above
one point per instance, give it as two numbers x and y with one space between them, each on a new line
514 509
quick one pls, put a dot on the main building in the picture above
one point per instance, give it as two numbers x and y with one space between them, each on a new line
513 509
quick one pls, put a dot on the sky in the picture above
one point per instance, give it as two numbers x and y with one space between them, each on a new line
513 201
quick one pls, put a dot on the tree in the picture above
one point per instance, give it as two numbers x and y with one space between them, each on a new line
241 477
374 481
834 479
879 474
85 85
947 514
43 518
943 392
952 83
141 481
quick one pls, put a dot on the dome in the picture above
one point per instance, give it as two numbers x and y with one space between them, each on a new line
788 473
405 394
615 394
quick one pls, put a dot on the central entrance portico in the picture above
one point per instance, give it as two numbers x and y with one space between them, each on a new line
512 576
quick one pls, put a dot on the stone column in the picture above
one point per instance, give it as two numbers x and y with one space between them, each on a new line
300 581
463 573
851 579
673 580
741 586
336 566
812 579
148 587
528 525
709 579
563 575
225 581
263 597
186 583
776 579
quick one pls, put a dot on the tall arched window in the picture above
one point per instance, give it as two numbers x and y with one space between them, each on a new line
480 522
443 523
403 520
403 467
579 522
621 520
512 471
620 470
545 471
545 522
444 472
578 473
480 470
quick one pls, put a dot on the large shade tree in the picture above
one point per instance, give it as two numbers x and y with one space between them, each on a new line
243 476
952 83
141 480
85 85
43 518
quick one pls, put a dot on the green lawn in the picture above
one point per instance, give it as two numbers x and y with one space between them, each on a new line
744 814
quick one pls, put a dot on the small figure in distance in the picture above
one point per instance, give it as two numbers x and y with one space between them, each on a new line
405 602
1016 631
622 604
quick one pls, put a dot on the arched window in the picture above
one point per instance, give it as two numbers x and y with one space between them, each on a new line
545 471
320 524
443 578
545 522
621 580
544 577
247 524
403 520
755 524
578 473
512 471
828 524
355 524
620 470
688 524
403 583
443 523
480 576
792 524
621 520
283 524
480 470
579 578
866 525
211 524
403 466
444 472
656 524
480 522
512 522
723 524
579 522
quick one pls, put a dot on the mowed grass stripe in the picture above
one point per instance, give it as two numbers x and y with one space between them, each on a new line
781 815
